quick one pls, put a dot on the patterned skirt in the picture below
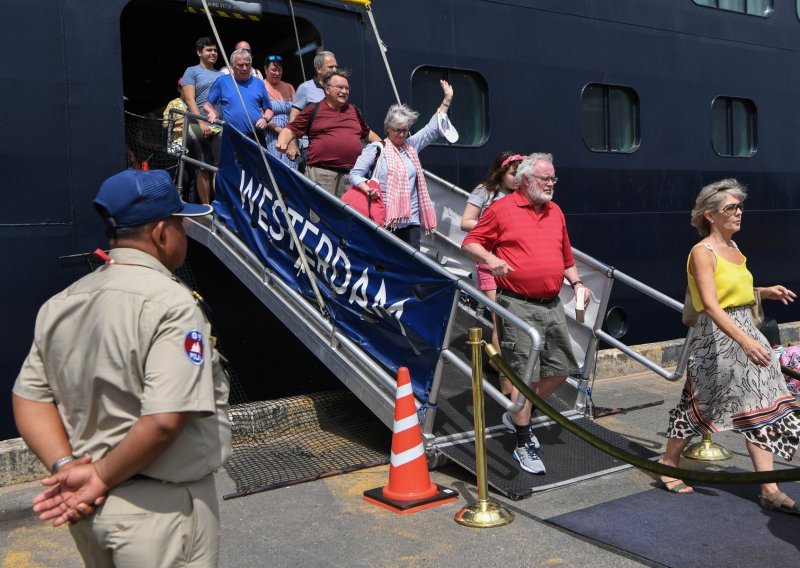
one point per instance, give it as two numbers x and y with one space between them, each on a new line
724 390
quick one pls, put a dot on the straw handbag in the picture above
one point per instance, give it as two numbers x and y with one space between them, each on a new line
689 315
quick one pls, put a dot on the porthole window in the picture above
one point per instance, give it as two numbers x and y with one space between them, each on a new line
733 127
469 112
761 8
610 118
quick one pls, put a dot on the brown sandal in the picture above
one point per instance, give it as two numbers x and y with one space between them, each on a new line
680 487
778 503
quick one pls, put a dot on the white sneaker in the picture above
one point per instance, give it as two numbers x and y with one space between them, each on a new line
509 424
529 459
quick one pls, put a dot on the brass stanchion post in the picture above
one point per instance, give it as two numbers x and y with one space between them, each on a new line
707 450
484 513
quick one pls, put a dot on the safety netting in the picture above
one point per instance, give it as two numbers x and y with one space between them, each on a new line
302 438
147 145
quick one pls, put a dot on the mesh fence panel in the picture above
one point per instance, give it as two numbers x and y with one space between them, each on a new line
146 141
302 438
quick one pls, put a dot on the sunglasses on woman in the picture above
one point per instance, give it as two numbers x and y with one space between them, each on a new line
730 208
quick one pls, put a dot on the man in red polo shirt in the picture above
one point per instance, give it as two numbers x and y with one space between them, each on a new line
335 129
523 239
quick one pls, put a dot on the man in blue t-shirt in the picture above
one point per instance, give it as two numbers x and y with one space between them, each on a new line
202 141
257 108
313 91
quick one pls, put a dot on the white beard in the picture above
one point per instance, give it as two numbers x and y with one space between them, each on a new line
538 196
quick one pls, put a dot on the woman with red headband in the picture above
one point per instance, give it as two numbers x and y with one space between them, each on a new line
499 182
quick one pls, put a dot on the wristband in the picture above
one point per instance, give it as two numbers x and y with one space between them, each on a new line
60 462
573 284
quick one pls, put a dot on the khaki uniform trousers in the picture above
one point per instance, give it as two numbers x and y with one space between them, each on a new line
335 183
146 522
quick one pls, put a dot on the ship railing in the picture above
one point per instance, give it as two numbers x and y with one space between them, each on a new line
182 150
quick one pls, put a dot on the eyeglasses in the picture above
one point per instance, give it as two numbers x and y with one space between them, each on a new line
400 130
339 87
730 209
274 58
545 179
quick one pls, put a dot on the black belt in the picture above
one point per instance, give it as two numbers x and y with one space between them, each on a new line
142 477
516 296
330 169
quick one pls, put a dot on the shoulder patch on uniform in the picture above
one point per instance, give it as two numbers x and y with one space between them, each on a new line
193 345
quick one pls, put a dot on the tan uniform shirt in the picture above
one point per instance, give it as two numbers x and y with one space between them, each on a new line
127 341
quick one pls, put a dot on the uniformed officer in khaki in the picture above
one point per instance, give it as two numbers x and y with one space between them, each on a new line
122 374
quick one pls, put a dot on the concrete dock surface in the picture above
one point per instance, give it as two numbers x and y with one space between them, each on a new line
326 522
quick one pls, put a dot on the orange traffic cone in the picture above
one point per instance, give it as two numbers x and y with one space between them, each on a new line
410 488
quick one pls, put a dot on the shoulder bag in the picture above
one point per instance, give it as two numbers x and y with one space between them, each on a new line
358 200
689 315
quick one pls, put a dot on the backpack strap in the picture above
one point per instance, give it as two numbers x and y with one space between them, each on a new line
378 150
358 113
311 118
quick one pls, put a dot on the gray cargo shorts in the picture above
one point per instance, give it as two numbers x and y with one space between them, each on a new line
547 317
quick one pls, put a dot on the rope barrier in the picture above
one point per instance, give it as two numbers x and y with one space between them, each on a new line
383 49
792 474
297 39
791 372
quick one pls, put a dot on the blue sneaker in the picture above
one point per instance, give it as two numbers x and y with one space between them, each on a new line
529 459
509 424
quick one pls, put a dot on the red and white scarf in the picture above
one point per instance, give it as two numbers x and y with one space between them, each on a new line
398 190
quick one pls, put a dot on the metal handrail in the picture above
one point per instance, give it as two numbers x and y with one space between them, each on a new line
184 157
525 327
199 117
452 357
448 185
616 275
248 258
244 254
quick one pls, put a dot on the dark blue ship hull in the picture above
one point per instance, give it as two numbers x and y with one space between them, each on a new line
71 63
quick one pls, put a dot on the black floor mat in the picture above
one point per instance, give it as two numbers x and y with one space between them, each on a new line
714 526
567 458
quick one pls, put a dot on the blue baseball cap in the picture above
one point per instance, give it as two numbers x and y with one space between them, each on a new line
136 197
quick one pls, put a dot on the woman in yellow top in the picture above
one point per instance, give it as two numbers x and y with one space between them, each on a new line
732 380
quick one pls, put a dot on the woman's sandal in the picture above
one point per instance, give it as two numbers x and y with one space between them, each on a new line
680 487
778 503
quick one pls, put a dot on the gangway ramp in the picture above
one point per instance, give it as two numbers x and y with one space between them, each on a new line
368 331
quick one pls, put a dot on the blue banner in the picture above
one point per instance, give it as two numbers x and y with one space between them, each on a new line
393 305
